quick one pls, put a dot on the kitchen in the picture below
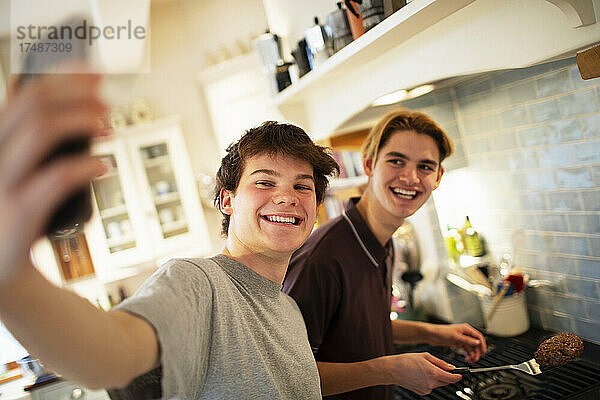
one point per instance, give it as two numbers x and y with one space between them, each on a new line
533 130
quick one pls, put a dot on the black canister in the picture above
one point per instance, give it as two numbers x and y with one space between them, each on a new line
282 76
300 54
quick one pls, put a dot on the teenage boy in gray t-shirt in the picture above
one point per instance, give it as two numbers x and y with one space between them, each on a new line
219 327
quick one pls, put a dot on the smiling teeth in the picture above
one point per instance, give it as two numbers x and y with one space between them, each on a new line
405 193
284 220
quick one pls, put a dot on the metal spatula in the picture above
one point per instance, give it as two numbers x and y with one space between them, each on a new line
530 367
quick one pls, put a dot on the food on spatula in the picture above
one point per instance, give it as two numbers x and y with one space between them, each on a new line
558 350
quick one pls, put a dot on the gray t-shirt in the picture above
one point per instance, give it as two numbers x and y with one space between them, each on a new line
226 332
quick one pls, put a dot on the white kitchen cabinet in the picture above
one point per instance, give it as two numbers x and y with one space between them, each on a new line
146 206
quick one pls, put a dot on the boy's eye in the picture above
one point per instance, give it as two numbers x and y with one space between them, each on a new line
427 167
265 183
303 187
396 162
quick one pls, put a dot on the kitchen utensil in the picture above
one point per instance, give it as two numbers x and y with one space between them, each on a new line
268 46
301 56
530 367
510 317
283 77
476 276
516 281
497 299
32 367
391 6
406 249
340 28
462 283
354 19
372 12
320 44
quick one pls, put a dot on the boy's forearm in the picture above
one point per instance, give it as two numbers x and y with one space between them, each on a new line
71 336
410 331
344 377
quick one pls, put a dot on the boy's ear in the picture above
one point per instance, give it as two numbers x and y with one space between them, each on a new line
225 202
439 177
368 166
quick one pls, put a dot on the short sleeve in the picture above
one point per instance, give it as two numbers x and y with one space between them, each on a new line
316 288
177 302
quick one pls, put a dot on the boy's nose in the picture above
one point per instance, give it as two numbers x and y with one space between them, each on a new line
285 197
409 176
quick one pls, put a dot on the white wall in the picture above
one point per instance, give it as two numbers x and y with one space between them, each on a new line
291 18
182 33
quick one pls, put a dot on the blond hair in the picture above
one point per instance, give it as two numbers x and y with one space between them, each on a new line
405 120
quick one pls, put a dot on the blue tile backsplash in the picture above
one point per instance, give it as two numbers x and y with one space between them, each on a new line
533 135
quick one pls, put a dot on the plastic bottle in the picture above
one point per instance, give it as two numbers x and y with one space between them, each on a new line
454 245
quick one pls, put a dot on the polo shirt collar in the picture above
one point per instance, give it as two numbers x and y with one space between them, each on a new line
369 243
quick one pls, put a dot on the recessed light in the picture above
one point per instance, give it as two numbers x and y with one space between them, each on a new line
391 98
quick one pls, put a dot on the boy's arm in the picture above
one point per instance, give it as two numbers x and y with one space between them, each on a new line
419 372
66 332
72 337
461 335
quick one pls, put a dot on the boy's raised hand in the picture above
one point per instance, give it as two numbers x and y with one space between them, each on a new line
35 119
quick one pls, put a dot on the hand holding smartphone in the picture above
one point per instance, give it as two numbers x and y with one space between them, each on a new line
69 218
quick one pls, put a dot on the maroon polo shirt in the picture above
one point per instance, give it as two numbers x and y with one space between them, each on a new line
341 280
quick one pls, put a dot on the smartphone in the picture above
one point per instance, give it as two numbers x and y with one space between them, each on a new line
68 219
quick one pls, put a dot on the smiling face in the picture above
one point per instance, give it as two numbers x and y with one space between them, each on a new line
406 171
274 207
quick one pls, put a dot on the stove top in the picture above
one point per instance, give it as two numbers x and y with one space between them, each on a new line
578 380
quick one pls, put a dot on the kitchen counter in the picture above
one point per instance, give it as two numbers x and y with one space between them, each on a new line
14 390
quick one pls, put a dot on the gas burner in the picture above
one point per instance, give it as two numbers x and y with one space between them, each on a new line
500 391
502 386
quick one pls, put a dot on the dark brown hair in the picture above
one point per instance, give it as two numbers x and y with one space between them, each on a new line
273 138
405 120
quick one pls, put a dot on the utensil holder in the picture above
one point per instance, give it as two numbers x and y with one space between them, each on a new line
510 317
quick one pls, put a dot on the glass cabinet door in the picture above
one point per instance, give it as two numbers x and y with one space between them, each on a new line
158 167
113 211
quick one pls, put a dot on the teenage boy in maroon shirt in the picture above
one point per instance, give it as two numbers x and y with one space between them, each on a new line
341 277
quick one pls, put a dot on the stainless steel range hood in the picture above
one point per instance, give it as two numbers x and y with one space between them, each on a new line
432 40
